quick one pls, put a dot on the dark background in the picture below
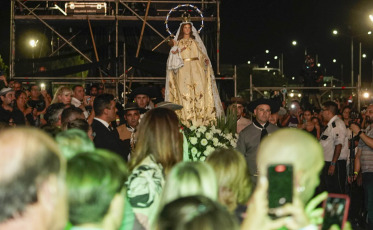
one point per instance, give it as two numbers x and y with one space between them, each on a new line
248 28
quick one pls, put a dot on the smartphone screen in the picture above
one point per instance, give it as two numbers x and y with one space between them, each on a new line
335 210
280 185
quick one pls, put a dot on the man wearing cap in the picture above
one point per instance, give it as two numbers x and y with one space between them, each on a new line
7 101
142 97
251 136
132 116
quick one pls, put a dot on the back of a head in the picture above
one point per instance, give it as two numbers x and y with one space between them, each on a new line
188 179
71 113
28 158
93 179
296 147
73 141
231 170
54 112
331 106
159 134
195 213
80 124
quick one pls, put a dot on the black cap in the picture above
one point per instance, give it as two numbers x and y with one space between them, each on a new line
262 101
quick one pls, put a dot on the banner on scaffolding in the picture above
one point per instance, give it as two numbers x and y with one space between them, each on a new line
86 8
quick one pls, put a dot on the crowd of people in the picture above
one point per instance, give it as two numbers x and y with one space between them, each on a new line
79 160
83 162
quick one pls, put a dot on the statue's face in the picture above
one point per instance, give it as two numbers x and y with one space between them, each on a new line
186 29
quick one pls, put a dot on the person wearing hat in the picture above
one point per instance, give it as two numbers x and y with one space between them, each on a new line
142 97
127 131
251 136
7 97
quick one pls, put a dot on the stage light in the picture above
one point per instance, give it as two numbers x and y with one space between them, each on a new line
33 43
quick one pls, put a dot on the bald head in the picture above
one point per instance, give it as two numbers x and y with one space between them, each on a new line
29 159
295 147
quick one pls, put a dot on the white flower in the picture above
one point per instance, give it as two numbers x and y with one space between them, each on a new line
236 135
194 151
208 136
208 150
202 158
204 142
192 128
215 141
198 134
229 136
233 143
202 129
193 140
218 131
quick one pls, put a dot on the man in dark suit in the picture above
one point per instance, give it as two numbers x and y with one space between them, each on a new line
105 136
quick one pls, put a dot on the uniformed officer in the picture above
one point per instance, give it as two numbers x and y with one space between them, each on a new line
333 176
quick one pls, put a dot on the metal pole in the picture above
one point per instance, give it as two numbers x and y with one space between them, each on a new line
235 80
59 35
218 37
251 87
12 41
282 64
331 91
59 47
124 73
139 17
352 61
143 28
359 81
116 38
372 75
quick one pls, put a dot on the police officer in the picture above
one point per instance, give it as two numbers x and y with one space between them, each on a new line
333 176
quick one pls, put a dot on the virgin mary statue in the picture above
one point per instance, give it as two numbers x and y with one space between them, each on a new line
190 80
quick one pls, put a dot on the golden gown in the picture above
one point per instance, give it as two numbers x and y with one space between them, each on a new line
192 86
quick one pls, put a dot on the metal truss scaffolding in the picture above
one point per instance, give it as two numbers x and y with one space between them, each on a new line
99 39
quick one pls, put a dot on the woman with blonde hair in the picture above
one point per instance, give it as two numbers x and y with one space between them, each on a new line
233 179
159 147
63 95
195 213
188 179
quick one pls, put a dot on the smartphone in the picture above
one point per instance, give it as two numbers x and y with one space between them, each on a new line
42 86
335 210
280 185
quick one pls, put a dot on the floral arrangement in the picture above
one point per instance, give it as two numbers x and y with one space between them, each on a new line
203 140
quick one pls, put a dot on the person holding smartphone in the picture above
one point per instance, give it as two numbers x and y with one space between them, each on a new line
301 153
364 159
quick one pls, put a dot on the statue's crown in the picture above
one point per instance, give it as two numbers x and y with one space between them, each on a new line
185 17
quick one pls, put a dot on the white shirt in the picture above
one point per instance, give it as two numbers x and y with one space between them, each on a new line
75 102
334 134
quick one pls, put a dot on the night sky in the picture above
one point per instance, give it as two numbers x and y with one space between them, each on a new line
248 28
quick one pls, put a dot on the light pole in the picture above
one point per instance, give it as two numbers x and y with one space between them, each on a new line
33 44
335 32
